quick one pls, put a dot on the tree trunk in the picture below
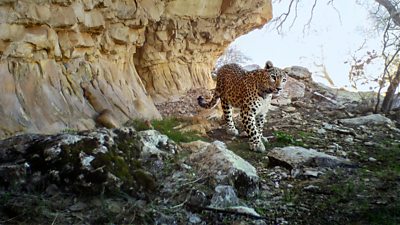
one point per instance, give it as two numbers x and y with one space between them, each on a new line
391 91
394 14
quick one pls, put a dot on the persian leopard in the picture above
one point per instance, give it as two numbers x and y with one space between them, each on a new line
251 91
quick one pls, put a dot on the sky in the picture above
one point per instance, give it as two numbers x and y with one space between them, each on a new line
335 33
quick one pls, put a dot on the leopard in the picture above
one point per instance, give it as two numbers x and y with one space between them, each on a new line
251 92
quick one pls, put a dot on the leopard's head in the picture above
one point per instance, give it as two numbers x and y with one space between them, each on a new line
277 76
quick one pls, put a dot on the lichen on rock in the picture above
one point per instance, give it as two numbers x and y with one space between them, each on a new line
86 162
225 167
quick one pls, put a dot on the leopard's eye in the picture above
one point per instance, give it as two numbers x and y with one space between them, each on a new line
273 77
284 80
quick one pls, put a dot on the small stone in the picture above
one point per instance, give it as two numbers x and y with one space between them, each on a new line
260 222
198 198
271 174
335 147
86 160
369 143
311 188
281 221
79 206
186 166
289 109
295 172
321 131
114 206
343 153
372 159
52 189
312 173
245 210
224 196
194 218
381 202
349 139
328 126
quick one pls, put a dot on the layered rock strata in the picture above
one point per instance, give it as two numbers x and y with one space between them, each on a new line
63 63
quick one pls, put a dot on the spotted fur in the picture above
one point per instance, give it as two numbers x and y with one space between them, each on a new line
251 91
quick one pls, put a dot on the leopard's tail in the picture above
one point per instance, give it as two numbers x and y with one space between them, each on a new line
210 104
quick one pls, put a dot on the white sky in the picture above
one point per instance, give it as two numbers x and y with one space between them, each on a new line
332 37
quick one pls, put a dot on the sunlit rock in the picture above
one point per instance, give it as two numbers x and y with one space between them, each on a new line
226 168
294 157
373 119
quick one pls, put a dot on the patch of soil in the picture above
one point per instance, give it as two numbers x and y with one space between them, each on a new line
185 106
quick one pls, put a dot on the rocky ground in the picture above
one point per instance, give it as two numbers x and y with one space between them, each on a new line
329 160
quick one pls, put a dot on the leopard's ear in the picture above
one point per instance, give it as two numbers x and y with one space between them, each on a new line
268 65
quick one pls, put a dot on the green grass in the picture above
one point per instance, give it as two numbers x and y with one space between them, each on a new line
289 196
384 215
283 139
354 194
168 126
139 125
69 131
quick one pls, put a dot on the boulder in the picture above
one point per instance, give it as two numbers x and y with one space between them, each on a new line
225 167
294 157
293 90
299 73
86 162
373 119
224 196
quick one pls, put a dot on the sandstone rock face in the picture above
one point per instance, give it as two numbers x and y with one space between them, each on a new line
64 62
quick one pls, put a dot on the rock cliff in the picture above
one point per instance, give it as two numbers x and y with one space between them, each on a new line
63 62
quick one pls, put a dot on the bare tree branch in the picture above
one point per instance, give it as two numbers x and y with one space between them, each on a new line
308 24
336 10
325 73
295 15
232 55
283 17
280 20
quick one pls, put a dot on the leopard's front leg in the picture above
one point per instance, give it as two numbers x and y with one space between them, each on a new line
249 122
260 120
